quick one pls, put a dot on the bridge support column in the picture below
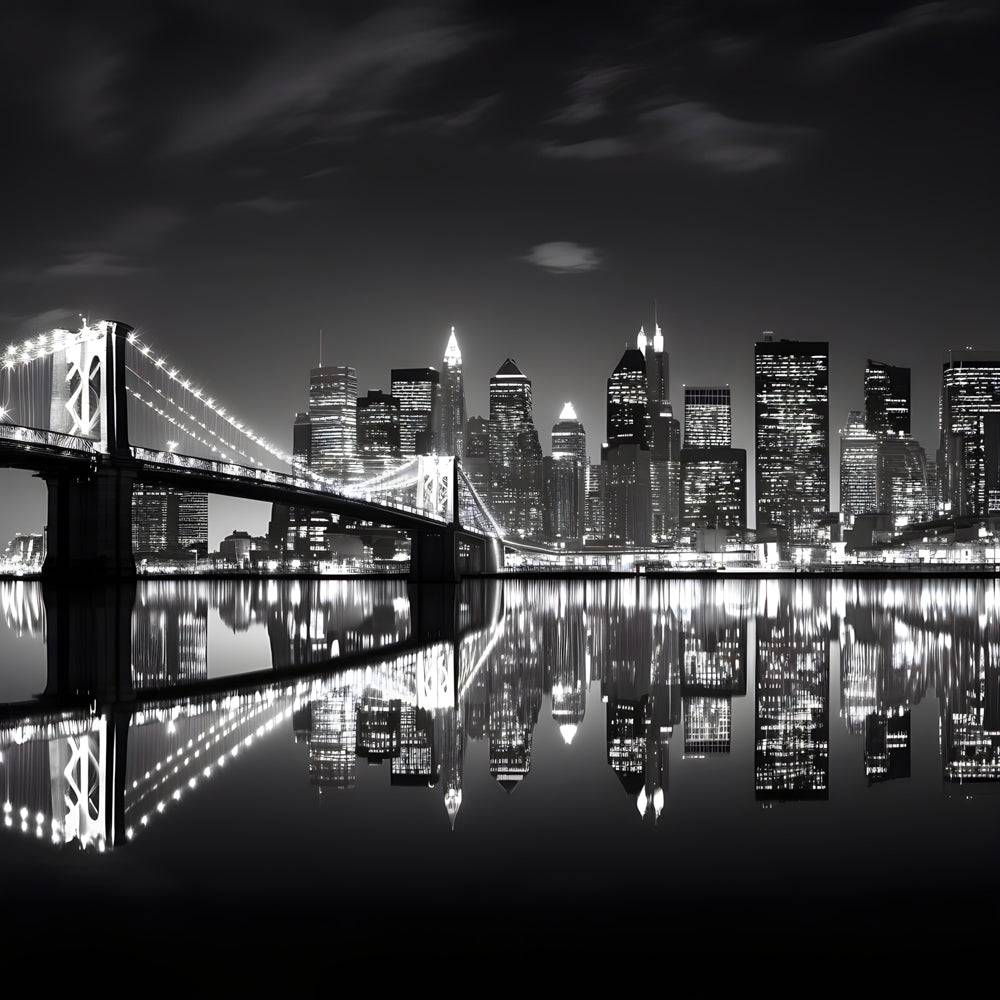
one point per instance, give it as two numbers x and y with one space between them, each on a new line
434 555
89 533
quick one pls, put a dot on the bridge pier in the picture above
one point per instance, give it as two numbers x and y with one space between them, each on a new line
434 555
89 533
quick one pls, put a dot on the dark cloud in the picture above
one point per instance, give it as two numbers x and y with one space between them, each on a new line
588 95
333 82
920 19
703 135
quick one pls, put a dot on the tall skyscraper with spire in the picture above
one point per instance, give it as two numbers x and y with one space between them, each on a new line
626 456
452 400
566 481
665 437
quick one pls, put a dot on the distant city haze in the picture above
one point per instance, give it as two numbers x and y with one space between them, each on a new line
231 184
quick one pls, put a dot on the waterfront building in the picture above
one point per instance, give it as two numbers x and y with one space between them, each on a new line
969 453
859 452
713 490
792 430
567 478
510 415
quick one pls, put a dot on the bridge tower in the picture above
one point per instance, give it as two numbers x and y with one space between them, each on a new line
90 514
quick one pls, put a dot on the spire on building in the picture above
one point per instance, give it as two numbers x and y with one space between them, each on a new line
452 355
568 412
641 341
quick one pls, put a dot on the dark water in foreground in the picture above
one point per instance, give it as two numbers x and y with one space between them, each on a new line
782 768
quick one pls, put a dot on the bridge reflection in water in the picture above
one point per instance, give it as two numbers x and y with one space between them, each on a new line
132 720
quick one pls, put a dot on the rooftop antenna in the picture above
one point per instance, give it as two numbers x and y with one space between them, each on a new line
321 347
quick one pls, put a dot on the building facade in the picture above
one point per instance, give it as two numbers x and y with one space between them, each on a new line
859 448
419 393
333 396
792 430
887 398
708 416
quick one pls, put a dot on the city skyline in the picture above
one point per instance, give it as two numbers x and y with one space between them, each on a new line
715 162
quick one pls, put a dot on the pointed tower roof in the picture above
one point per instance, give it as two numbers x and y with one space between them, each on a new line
452 354
632 360
640 340
509 367
568 412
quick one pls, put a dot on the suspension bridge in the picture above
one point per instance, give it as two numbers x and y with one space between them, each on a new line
96 412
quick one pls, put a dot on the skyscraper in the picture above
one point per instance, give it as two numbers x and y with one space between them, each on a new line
567 480
333 396
708 416
792 423
476 460
626 457
169 522
628 402
452 400
378 425
887 398
665 439
858 467
510 414
969 455
713 490
419 393
902 481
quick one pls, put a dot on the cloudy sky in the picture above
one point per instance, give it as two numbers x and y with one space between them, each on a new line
232 179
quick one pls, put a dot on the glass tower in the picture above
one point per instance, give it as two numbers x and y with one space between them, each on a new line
792 423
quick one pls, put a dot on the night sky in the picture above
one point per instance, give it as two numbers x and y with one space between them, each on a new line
232 180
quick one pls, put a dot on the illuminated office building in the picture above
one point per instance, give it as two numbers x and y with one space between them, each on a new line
333 402
567 478
452 401
626 456
665 440
713 489
792 424
593 508
378 425
903 488
149 519
169 522
510 415
628 402
527 480
887 398
476 460
665 476
969 455
859 448
627 495
708 416
419 393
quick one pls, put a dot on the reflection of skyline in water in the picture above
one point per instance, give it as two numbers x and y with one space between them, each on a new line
667 662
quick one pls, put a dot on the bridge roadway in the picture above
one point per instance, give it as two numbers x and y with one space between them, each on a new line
89 509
